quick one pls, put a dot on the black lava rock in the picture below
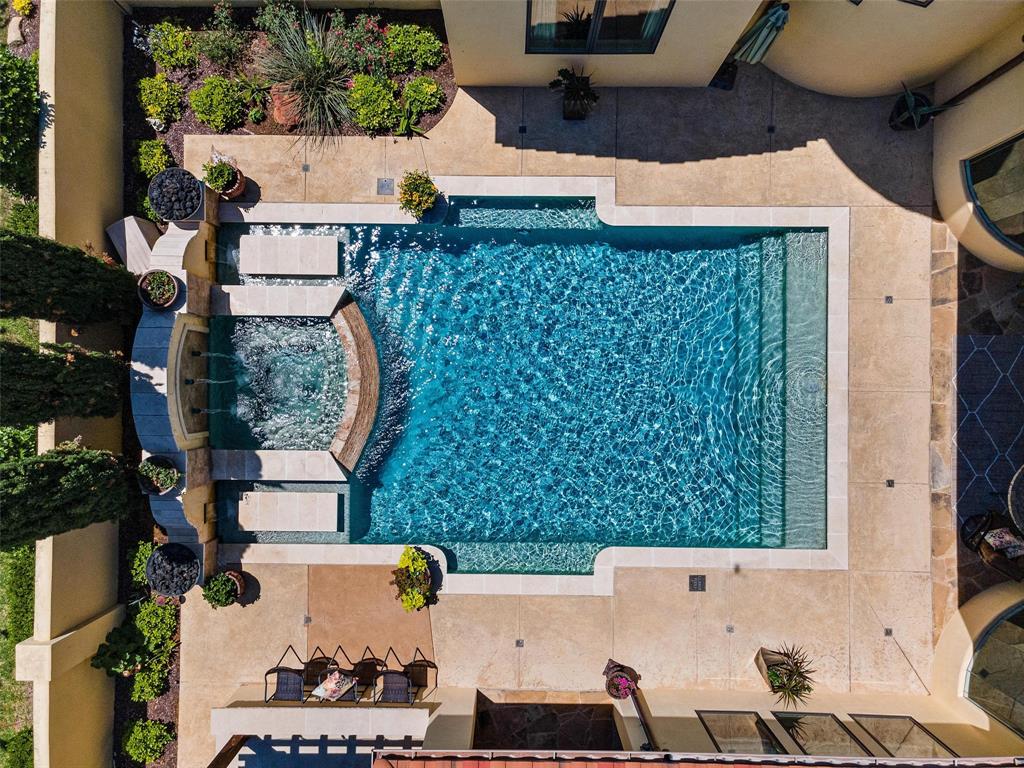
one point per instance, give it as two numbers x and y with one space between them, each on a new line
175 194
172 570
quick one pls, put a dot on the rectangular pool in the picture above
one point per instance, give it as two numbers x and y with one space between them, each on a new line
552 386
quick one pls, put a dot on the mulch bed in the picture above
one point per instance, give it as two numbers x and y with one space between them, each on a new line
138 64
29 31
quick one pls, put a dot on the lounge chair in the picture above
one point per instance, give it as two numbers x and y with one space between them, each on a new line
393 687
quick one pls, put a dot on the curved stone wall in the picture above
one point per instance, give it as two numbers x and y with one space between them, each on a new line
363 384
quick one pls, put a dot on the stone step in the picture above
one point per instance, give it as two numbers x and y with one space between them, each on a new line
287 255
276 300
275 465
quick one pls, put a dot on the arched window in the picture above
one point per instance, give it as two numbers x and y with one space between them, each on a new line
995 679
995 180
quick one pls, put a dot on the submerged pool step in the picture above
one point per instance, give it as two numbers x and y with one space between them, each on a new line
276 300
288 255
287 511
275 465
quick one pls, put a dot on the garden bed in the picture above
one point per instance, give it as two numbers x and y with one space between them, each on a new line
139 64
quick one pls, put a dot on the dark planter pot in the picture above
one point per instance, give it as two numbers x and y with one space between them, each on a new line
172 570
148 487
176 195
239 580
763 660
900 119
575 109
144 293
612 672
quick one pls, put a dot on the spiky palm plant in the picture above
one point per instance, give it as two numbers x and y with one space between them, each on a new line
308 61
791 677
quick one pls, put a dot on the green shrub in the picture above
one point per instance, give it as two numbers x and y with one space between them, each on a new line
275 18
123 653
16 749
363 44
151 157
19 121
173 47
155 473
309 63
24 217
18 569
139 558
373 103
224 43
257 115
413 47
423 94
220 591
17 443
160 98
218 103
22 7
151 681
157 623
144 208
417 194
146 740
219 176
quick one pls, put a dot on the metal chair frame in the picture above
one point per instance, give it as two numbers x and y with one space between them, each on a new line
419 662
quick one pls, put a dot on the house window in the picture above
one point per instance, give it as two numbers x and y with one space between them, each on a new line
994 679
820 734
902 736
595 26
743 733
996 182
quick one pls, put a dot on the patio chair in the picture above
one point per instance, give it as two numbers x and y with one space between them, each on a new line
317 667
972 533
364 671
417 670
393 687
287 685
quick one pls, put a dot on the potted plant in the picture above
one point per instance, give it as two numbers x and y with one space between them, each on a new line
172 570
222 176
176 195
578 97
914 110
123 653
157 475
224 589
787 673
158 289
412 580
417 193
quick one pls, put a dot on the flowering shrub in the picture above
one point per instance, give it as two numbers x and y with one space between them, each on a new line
412 579
374 106
173 47
417 193
413 47
160 98
224 42
363 42
22 7
623 686
218 103
275 17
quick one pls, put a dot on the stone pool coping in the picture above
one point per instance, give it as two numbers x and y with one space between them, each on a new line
834 219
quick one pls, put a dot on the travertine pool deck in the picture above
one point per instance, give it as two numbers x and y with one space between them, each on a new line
768 144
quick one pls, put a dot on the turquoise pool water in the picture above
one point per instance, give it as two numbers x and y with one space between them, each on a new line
552 386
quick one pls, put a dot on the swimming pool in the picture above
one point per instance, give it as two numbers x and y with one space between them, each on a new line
552 386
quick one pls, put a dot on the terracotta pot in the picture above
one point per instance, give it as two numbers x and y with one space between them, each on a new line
764 659
144 294
239 579
238 189
285 106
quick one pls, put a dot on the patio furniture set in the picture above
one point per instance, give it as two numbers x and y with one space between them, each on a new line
325 678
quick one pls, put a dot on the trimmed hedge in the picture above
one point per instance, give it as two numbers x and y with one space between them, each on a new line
19 121
18 570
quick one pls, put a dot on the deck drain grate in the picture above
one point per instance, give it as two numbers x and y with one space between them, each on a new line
698 583
520 643
890 483
729 629
888 299
305 167
888 631
385 186
522 129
